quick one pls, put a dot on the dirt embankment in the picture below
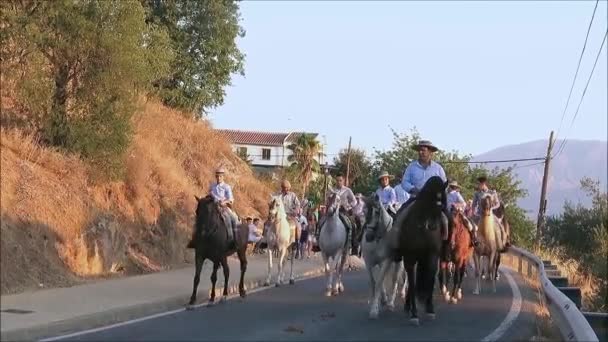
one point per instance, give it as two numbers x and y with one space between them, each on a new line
59 227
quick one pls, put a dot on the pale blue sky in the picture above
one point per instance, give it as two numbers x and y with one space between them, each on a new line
444 67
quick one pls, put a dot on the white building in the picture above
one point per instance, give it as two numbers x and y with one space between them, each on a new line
266 150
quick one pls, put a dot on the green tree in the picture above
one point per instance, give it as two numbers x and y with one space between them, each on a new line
242 153
303 158
360 167
203 34
91 60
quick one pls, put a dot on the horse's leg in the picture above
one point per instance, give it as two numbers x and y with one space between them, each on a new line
327 274
443 279
456 281
343 259
477 262
270 253
282 255
492 269
372 282
496 274
375 308
428 273
243 260
226 270
336 273
394 285
216 265
291 278
199 260
461 271
410 301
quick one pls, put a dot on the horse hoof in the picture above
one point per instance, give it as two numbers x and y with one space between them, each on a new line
335 292
211 303
277 284
266 283
447 297
373 315
341 288
190 307
328 293
476 292
444 290
459 294
223 299
453 300
291 281
431 316
243 294
390 307
415 322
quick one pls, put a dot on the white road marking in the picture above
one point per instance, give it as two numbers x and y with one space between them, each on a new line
162 314
513 312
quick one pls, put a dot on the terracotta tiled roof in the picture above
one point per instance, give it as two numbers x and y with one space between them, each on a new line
253 137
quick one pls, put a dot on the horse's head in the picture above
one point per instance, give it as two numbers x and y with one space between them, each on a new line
205 210
486 205
333 204
433 195
275 207
376 215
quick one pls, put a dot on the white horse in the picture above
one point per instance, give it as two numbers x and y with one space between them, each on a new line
375 252
279 237
490 243
332 242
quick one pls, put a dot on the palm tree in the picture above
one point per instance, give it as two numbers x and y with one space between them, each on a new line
304 151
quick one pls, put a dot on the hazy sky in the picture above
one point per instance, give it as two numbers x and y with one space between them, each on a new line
444 67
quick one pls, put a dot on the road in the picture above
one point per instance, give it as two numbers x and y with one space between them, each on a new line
300 312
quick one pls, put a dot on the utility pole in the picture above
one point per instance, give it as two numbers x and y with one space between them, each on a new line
348 161
542 207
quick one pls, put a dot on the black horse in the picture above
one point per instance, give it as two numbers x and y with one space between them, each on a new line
211 240
420 242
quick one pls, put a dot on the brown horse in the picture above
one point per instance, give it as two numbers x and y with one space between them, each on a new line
460 252
211 242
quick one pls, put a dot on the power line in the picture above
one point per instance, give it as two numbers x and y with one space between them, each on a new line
599 52
577 69
491 161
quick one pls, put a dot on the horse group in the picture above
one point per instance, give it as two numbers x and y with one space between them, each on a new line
414 241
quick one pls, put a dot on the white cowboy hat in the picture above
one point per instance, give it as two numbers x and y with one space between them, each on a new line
426 143
384 174
220 170
454 184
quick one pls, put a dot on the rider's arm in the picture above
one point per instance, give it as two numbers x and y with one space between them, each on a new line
496 201
352 200
407 182
475 202
296 204
229 196
393 198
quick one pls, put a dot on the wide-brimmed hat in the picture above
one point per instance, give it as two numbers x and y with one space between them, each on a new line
454 184
220 170
426 143
384 174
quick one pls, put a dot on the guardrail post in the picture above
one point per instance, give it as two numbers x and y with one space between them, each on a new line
574 293
559 281
599 323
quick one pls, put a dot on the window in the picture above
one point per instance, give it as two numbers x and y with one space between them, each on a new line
241 151
266 154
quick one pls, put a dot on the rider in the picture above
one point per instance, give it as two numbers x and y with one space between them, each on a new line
456 201
386 193
417 173
347 201
402 195
290 200
222 195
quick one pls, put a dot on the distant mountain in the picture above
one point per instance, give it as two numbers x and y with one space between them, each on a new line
579 158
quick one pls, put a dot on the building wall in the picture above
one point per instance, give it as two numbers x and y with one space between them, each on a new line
278 155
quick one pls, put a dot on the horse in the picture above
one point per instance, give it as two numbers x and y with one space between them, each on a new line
500 213
375 250
460 252
419 242
490 243
211 242
332 243
279 237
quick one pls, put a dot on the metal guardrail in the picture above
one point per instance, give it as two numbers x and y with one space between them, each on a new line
567 317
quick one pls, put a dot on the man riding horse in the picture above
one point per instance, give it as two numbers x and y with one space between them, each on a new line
291 205
457 202
415 176
347 202
222 196
483 190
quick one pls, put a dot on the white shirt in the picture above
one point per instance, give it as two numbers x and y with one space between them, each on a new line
454 197
402 195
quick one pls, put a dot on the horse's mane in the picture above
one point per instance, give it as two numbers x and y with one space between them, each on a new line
427 197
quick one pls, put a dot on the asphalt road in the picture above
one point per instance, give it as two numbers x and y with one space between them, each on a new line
301 312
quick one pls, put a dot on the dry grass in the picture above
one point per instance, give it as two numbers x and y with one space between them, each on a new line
589 284
545 331
140 224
